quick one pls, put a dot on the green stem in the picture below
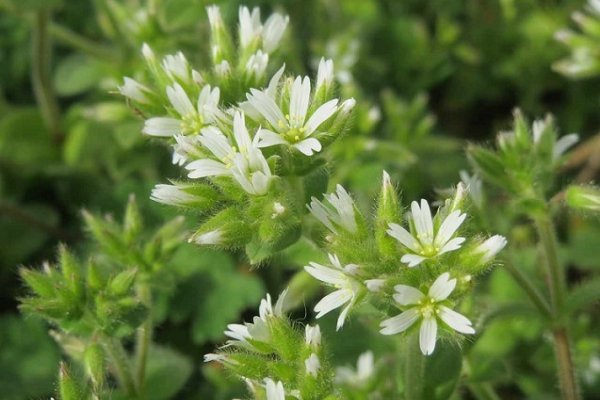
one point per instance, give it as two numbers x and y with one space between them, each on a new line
143 338
529 288
483 391
556 276
557 287
414 369
120 362
76 41
40 74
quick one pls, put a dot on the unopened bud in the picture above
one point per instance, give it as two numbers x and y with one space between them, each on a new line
585 198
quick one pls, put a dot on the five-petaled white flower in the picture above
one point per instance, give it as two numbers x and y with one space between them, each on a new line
428 309
339 213
426 241
258 329
243 161
192 119
295 127
341 278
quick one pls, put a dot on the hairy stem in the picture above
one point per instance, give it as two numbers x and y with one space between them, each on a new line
483 391
414 369
76 41
529 288
40 74
557 287
143 338
120 361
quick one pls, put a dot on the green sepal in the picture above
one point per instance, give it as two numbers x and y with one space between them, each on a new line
121 284
388 211
95 364
583 198
132 222
231 225
69 386
106 234
40 283
489 165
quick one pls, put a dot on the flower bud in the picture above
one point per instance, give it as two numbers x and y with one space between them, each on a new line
585 198
221 41
69 388
227 228
388 210
94 360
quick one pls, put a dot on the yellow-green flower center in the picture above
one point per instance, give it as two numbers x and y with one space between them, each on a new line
191 124
427 307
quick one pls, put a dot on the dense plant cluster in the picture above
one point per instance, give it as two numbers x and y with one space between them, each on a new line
306 160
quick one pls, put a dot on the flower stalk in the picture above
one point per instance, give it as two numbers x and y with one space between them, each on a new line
557 287
40 74
122 368
143 338
414 368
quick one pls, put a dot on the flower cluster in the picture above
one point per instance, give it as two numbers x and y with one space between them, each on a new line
430 245
244 143
526 159
274 358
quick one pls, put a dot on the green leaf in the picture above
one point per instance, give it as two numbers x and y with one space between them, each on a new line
442 371
76 74
25 141
166 373
584 295
28 361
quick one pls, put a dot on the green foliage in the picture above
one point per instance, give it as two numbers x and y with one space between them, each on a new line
421 79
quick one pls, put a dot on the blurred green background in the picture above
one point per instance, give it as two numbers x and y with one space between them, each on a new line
429 76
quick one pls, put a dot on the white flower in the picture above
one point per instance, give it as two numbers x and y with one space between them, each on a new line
253 32
148 53
273 31
425 241
375 285
339 213
223 69
325 74
296 127
257 65
274 390
177 67
561 145
243 161
250 25
313 336
214 16
270 91
341 278
173 195
428 310
474 187
192 119
594 7
186 148
258 329
212 237
365 367
134 90
312 365
488 249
